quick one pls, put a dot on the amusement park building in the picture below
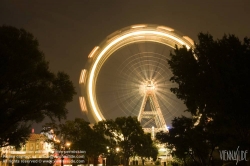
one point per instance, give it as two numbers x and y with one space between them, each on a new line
35 147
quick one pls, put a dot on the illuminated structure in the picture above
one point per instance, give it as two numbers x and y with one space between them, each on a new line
150 111
143 33
35 147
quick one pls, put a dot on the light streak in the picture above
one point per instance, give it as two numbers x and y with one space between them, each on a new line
82 76
93 52
189 39
138 26
83 104
113 34
165 28
139 37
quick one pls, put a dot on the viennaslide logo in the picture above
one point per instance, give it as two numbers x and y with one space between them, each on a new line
233 155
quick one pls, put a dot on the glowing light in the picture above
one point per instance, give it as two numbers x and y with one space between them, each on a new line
138 26
139 37
83 104
162 149
93 52
167 128
113 34
131 33
189 39
150 86
82 76
165 28
198 120
195 56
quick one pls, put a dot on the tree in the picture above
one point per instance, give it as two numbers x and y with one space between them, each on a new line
213 83
50 131
130 129
83 137
29 91
127 134
187 141
147 148
106 129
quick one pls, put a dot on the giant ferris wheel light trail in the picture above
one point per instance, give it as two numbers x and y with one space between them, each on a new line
127 74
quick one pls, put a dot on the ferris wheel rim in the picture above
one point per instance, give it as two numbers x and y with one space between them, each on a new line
121 38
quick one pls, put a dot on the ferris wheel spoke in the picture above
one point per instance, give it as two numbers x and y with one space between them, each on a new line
169 105
116 108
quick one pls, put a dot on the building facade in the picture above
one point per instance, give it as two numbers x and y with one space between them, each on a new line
35 147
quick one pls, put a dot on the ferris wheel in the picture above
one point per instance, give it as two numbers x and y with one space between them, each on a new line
128 75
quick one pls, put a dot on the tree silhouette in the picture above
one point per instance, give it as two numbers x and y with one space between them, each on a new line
213 82
29 91
127 134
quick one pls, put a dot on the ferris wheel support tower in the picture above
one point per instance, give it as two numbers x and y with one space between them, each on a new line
154 114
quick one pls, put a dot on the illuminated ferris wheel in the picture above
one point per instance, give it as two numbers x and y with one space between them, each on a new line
128 75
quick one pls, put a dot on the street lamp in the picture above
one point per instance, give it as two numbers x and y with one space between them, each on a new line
108 156
108 149
117 151
62 159
68 145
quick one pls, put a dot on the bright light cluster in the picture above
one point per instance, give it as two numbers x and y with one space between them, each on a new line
150 86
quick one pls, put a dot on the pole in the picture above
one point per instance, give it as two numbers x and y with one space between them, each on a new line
62 161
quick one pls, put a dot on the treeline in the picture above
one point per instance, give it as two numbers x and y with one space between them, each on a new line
116 140
213 82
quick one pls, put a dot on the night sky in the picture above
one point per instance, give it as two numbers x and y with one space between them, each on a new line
68 30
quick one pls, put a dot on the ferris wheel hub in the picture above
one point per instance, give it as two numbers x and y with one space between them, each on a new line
150 87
